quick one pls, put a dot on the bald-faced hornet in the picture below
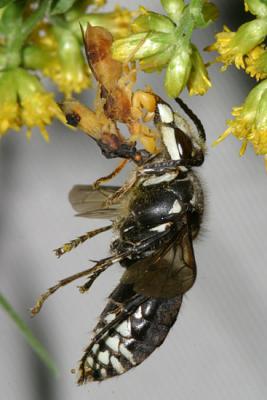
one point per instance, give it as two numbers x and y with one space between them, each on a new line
155 217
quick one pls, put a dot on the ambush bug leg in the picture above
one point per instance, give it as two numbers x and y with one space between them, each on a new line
112 175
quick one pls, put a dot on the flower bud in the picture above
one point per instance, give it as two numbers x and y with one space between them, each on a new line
174 8
256 7
198 82
178 71
249 35
151 21
158 61
71 74
256 63
141 45
233 46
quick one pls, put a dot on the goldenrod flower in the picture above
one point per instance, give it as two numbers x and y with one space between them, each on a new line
233 46
9 109
58 55
117 22
23 101
256 63
37 107
198 82
250 123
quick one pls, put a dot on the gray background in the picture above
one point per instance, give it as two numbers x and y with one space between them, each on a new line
217 349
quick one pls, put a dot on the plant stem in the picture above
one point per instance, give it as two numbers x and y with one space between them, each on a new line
33 342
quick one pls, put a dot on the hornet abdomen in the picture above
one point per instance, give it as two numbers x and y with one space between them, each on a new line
130 341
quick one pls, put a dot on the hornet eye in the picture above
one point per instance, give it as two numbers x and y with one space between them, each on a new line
184 144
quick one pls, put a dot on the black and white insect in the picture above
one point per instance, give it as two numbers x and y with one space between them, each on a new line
155 217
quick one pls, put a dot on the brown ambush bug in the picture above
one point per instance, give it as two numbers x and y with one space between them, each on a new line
156 214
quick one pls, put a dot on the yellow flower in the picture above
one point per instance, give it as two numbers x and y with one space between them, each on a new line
9 109
117 22
57 53
250 123
24 101
37 107
233 46
9 118
198 82
256 63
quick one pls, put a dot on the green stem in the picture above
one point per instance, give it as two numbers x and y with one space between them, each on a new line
33 342
19 36
186 23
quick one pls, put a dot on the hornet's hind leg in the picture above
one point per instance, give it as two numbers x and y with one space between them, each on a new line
91 273
67 247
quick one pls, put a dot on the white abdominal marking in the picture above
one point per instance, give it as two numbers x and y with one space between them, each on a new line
168 136
123 329
110 317
165 113
155 180
103 357
117 365
113 343
176 208
161 227
127 354
95 348
90 361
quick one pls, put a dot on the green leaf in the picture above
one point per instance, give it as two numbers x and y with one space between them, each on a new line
208 15
11 20
28 335
4 3
61 6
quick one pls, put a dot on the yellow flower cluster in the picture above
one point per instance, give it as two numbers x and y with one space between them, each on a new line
256 63
246 50
57 53
23 101
250 123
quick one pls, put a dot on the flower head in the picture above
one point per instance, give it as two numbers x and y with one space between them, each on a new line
250 123
198 81
233 46
117 22
9 115
24 101
256 63
57 53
